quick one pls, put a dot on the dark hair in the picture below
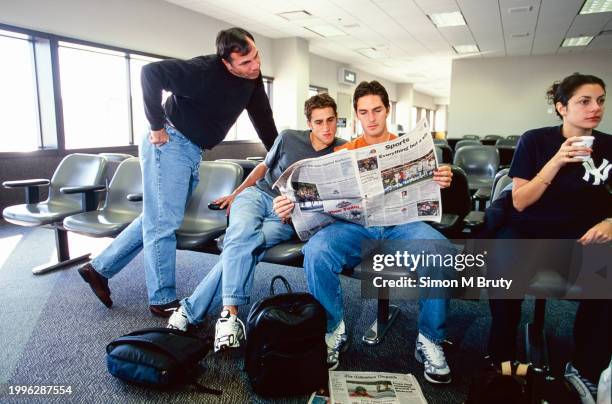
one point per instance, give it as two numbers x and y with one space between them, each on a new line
233 40
323 100
372 88
564 90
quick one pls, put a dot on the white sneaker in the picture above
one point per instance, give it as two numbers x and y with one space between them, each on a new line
432 357
178 320
229 331
583 386
337 342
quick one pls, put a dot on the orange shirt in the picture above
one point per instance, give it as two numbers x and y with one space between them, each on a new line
359 143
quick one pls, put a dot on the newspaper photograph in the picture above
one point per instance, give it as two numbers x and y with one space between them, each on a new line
385 184
374 388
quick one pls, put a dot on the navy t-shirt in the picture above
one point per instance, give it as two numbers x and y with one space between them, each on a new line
290 146
579 192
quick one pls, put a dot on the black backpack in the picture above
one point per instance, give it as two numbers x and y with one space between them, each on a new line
158 357
285 350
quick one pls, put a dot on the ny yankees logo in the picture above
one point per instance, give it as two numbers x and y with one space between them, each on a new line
599 173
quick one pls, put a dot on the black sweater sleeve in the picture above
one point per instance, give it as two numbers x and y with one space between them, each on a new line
177 76
260 114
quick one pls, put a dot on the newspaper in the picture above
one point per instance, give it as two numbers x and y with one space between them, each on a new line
374 388
384 184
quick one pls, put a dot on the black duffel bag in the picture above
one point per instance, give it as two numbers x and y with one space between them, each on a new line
158 357
285 350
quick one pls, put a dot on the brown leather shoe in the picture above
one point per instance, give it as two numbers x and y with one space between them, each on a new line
164 310
97 282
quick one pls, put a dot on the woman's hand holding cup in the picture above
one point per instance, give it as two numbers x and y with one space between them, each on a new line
575 149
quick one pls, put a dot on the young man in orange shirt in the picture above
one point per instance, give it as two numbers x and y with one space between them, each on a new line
338 245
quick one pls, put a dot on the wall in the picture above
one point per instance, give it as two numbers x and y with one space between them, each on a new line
424 101
290 83
507 95
324 73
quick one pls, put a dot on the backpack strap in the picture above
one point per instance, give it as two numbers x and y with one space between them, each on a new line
283 280
207 390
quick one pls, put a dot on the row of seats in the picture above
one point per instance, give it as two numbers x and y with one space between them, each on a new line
82 176
72 203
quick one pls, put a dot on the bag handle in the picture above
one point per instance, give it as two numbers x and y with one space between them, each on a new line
283 280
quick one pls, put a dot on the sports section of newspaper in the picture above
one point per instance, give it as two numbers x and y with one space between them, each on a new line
384 184
374 388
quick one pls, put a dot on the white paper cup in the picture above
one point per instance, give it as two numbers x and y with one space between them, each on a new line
586 141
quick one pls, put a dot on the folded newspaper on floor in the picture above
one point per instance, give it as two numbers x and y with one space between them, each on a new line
374 388
385 184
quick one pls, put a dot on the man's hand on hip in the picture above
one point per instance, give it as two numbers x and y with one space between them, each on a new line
159 137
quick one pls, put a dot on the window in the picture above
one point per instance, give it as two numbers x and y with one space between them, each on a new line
94 97
413 117
441 120
19 103
140 125
99 93
243 128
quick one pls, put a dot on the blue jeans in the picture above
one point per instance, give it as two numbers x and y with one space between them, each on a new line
339 245
253 228
170 173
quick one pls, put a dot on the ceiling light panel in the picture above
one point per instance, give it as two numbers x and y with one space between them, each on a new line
453 19
596 6
463 49
372 53
576 41
326 30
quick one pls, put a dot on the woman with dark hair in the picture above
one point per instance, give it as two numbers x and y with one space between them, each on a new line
559 176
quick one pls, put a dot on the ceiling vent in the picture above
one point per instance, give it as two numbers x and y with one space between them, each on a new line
524 9
519 35
295 15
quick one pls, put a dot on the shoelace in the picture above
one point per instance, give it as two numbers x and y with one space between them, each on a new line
589 385
337 342
436 357
227 326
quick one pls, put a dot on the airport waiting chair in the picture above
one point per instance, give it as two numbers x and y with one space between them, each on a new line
258 159
480 163
471 137
456 205
506 142
118 210
115 157
447 154
72 189
247 165
489 140
467 142
202 225
506 148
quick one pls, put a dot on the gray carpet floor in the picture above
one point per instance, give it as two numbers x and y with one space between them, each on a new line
54 332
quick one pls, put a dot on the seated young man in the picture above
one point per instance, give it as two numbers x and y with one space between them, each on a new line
338 245
254 227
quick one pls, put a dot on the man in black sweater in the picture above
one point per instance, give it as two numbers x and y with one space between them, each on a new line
208 94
